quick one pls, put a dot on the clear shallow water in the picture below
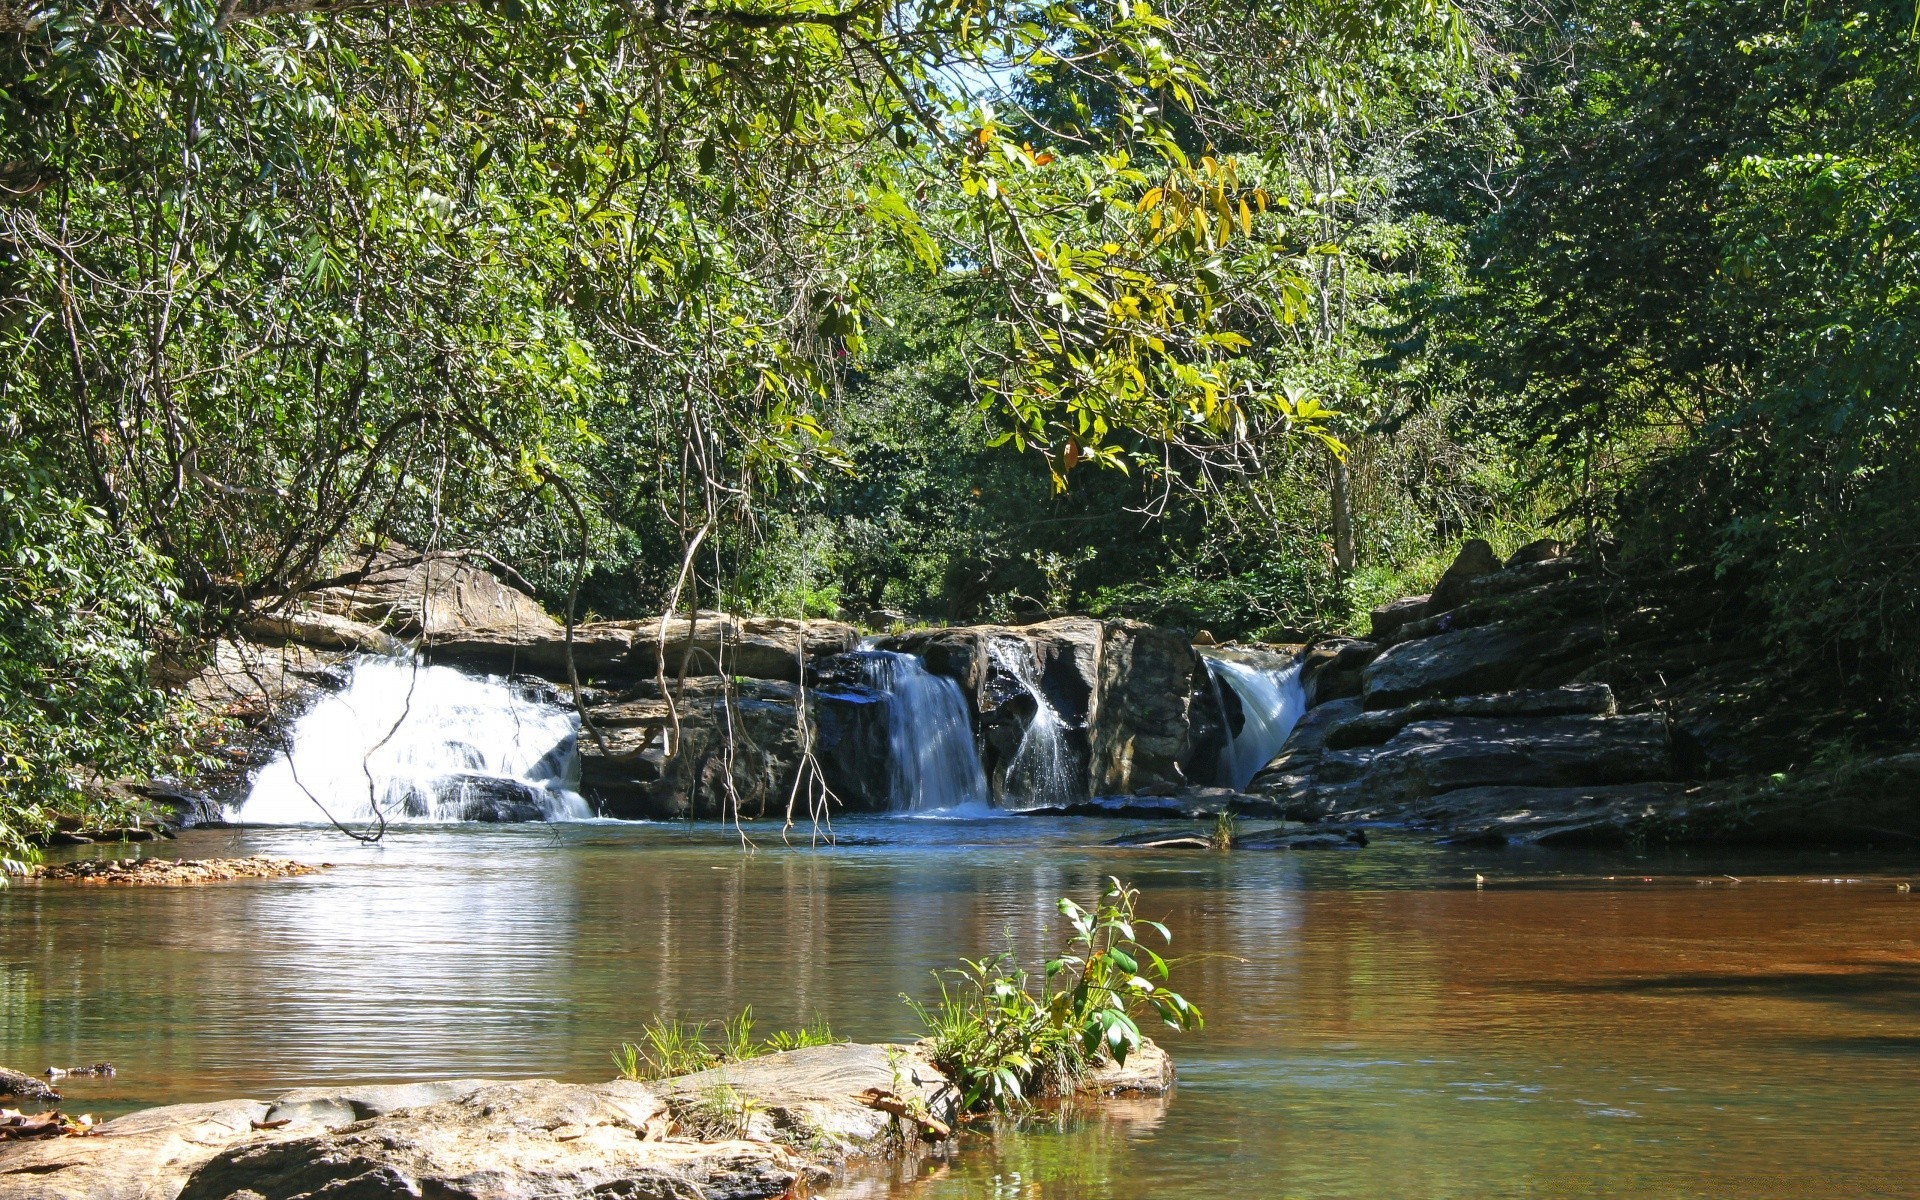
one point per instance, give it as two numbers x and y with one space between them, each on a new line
1377 1025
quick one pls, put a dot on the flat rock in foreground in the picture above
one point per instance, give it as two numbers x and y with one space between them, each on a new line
762 1128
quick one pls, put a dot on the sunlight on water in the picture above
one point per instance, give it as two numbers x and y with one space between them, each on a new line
1376 1025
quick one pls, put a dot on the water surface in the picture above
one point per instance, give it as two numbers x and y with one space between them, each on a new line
1377 1024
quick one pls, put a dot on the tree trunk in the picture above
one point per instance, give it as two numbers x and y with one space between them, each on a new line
1342 521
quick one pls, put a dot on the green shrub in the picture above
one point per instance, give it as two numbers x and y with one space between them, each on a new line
1004 1043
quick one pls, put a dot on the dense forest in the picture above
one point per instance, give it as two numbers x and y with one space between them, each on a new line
1223 315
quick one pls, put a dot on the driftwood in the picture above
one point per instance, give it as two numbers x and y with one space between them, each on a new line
25 1087
887 1102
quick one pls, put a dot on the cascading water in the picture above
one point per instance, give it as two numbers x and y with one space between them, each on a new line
1272 702
931 760
422 743
1042 769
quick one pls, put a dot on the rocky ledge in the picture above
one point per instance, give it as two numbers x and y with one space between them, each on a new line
1555 700
767 1127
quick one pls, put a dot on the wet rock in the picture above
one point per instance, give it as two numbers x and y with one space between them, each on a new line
1302 839
1147 808
1332 668
632 764
1139 721
1162 839
1290 781
1148 1071
1490 658
489 798
1445 754
852 744
1555 816
26 1088
1373 728
183 808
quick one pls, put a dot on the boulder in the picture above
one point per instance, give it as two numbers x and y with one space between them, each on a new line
1430 757
626 767
141 1156
598 650
342 1106
322 630
1139 713
1297 838
1291 780
1476 558
254 683
489 798
772 1126
754 647
808 1097
1539 550
1372 728
1148 1071
1485 659
529 1140
1388 619
1331 668
417 596
852 744
1592 815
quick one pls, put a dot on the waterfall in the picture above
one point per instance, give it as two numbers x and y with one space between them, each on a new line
932 763
1042 768
423 744
1272 702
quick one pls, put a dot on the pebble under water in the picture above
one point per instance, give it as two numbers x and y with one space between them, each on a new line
1377 1024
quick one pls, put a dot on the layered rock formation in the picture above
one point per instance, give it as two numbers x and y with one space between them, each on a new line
776 1126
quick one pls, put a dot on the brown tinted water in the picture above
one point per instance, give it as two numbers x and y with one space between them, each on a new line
1377 1025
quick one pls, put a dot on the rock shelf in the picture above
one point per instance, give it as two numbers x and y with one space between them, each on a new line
767 1127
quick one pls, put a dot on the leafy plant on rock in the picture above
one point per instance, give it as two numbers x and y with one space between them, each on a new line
1004 1043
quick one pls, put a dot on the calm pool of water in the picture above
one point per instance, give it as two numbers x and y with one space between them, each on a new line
1377 1024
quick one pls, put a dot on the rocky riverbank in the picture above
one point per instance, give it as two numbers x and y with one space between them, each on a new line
1543 699
774 1126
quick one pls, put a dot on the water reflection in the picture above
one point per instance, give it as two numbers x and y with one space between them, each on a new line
1376 1024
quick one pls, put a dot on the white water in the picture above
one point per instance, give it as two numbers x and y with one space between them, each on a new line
1042 770
931 760
1272 701
419 743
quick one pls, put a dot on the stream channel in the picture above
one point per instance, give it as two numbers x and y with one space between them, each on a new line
1378 1025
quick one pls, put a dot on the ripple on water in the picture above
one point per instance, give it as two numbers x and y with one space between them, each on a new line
1374 1027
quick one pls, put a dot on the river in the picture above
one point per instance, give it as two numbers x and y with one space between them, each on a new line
1378 1023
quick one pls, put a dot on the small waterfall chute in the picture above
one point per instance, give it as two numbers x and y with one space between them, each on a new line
1272 700
1043 768
932 763
408 742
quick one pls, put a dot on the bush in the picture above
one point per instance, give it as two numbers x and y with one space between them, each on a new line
1004 1043
79 602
